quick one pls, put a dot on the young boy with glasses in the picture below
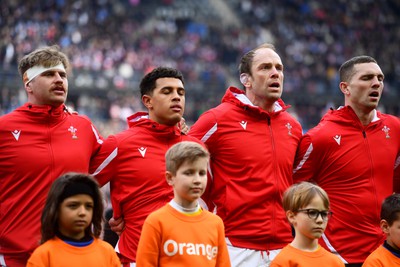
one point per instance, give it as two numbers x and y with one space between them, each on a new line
307 209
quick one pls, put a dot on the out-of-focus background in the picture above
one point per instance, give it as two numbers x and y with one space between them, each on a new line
113 43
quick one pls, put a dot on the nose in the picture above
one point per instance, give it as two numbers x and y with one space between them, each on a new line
376 83
82 211
58 77
176 95
197 179
319 218
274 73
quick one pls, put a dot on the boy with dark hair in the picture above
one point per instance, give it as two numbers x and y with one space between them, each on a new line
388 254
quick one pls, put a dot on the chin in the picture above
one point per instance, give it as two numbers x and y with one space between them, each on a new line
174 120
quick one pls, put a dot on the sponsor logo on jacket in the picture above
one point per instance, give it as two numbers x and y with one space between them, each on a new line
172 248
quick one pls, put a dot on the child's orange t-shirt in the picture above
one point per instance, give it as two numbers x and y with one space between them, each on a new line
171 238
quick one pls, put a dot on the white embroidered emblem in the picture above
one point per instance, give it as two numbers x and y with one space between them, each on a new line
73 130
142 151
289 127
16 134
337 139
386 130
243 124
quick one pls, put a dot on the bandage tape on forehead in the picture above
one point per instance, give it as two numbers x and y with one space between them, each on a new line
243 78
35 71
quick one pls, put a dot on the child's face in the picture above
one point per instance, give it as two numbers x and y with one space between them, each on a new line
392 233
306 227
189 182
76 214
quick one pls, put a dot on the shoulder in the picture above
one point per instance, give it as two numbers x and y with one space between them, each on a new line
212 216
191 138
78 117
332 257
281 258
156 215
387 118
46 247
13 116
378 257
104 245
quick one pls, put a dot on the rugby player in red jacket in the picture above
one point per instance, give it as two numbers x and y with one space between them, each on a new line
134 160
252 140
351 154
40 141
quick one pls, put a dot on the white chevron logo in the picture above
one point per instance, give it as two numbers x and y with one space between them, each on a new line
142 151
337 139
16 134
243 124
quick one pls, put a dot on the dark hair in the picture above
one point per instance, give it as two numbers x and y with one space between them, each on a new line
390 210
246 61
54 199
46 56
148 82
346 71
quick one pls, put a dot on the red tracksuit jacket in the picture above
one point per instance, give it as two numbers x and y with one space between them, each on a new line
252 155
37 145
354 164
134 163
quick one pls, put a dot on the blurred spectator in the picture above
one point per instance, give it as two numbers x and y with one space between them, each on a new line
112 44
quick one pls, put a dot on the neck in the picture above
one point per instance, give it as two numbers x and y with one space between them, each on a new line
263 103
305 244
191 209
365 116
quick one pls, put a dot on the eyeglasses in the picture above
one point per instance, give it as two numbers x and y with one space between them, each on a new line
314 214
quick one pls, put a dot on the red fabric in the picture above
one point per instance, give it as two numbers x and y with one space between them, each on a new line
252 154
354 164
134 163
38 144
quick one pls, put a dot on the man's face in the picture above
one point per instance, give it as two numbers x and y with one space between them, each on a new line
364 90
266 81
167 102
48 88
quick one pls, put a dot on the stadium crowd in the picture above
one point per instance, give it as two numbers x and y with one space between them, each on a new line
112 44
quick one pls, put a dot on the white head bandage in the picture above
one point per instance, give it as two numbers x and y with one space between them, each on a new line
31 73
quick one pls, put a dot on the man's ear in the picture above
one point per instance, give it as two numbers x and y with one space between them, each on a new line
146 100
168 177
28 88
244 78
344 88
384 226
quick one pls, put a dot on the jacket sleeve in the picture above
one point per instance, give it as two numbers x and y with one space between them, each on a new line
305 162
103 164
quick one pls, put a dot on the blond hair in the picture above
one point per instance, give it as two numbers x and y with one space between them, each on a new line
300 195
186 151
